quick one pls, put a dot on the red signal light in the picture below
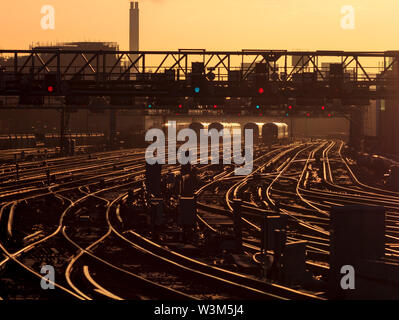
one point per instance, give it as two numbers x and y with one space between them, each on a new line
261 90
50 89
323 107
180 106
308 114
215 106
290 107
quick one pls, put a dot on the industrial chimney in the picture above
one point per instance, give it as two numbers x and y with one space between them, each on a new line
134 28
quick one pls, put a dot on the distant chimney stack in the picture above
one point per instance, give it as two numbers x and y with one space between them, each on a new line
134 30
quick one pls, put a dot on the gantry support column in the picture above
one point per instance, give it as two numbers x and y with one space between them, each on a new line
112 128
356 129
64 124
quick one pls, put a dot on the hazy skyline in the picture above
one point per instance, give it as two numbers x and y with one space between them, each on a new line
217 24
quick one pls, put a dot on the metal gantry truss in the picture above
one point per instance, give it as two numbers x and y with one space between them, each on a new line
269 77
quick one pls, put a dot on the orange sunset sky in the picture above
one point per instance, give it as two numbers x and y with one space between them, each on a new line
208 24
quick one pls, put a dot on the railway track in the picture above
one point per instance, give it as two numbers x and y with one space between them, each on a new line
62 228
97 254
293 186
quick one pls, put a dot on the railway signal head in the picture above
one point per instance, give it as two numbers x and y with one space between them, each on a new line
180 108
50 83
289 110
51 87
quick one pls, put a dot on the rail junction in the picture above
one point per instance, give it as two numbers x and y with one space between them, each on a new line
112 234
